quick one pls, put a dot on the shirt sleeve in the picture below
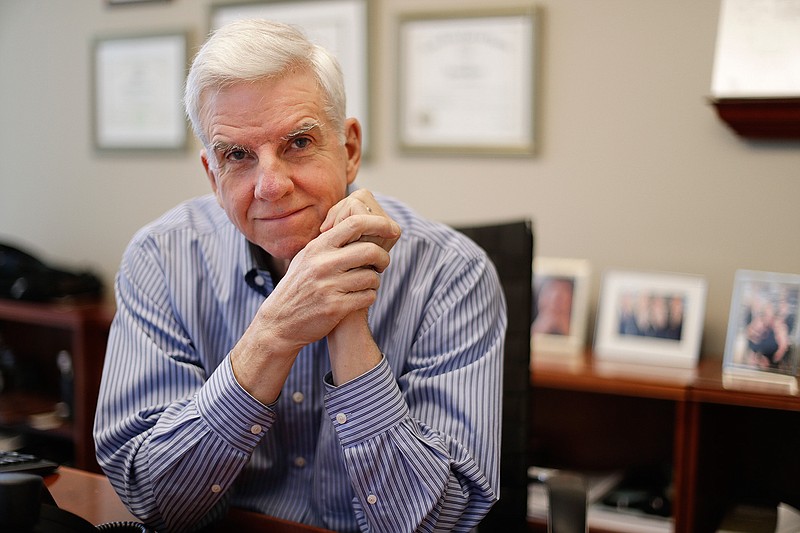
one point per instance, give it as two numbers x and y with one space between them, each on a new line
171 435
422 448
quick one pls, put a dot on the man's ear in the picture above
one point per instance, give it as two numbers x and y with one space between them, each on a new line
210 172
352 143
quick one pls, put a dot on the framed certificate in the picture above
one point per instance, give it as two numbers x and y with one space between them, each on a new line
138 91
466 82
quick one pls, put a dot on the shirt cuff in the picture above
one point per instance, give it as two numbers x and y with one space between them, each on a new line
231 412
365 406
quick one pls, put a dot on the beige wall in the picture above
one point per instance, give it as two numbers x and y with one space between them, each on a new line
633 171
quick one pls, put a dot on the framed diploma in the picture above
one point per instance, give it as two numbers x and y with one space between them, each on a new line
338 25
466 82
138 91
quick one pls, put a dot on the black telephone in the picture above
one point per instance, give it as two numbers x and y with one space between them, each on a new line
26 506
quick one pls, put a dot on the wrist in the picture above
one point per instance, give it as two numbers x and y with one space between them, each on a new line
351 348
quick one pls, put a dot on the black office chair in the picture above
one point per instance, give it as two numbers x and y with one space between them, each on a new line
510 247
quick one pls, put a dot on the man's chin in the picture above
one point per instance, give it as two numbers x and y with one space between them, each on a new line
283 251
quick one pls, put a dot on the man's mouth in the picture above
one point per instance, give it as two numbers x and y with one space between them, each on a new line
279 216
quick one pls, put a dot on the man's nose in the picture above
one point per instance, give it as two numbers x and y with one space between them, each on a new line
274 180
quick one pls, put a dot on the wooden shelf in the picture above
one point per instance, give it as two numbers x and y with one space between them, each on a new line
708 388
585 374
587 415
36 333
761 118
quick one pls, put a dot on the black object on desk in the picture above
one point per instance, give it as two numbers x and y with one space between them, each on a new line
26 506
27 463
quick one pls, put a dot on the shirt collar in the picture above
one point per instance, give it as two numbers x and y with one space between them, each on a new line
258 276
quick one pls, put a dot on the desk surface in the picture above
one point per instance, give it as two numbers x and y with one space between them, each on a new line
91 496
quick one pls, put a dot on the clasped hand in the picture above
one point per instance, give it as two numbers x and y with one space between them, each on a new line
326 291
338 273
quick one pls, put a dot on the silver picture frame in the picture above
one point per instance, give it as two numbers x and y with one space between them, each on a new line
761 346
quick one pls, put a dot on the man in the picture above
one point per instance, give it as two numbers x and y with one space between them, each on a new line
265 355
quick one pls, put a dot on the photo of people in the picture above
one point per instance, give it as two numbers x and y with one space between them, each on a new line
651 317
560 306
552 305
768 321
644 313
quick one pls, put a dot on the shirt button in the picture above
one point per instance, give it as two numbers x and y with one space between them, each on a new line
215 488
256 429
299 462
341 418
298 397
372 499
259 280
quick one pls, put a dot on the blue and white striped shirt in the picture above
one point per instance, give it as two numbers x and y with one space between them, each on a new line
412 445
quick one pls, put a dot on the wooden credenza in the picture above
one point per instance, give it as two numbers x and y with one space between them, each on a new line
36 333
725 446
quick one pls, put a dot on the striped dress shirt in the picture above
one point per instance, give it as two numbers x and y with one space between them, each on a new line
411 445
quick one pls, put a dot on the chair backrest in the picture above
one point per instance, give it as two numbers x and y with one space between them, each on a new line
510 247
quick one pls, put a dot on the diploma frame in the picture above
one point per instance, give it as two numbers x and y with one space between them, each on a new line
341 26
466 82
138 93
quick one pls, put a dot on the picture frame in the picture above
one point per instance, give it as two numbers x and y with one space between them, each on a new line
138 93
126 2
650 318
340 26
466 82
560 306
763 335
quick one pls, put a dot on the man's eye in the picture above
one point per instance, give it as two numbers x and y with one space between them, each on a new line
301 142
236 155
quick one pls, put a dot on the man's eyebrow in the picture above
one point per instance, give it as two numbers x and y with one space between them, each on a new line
304 128
223 146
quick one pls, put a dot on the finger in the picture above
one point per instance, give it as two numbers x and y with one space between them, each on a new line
362 227
360 279
358 203
359 300
362 254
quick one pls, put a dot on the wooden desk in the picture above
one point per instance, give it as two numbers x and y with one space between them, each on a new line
91 496
87 495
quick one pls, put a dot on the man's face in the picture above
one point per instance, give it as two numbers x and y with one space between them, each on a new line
275 162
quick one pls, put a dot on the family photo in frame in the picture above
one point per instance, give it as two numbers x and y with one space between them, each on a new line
560 305
763 333
650 318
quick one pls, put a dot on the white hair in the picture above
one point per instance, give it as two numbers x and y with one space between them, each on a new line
249 50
